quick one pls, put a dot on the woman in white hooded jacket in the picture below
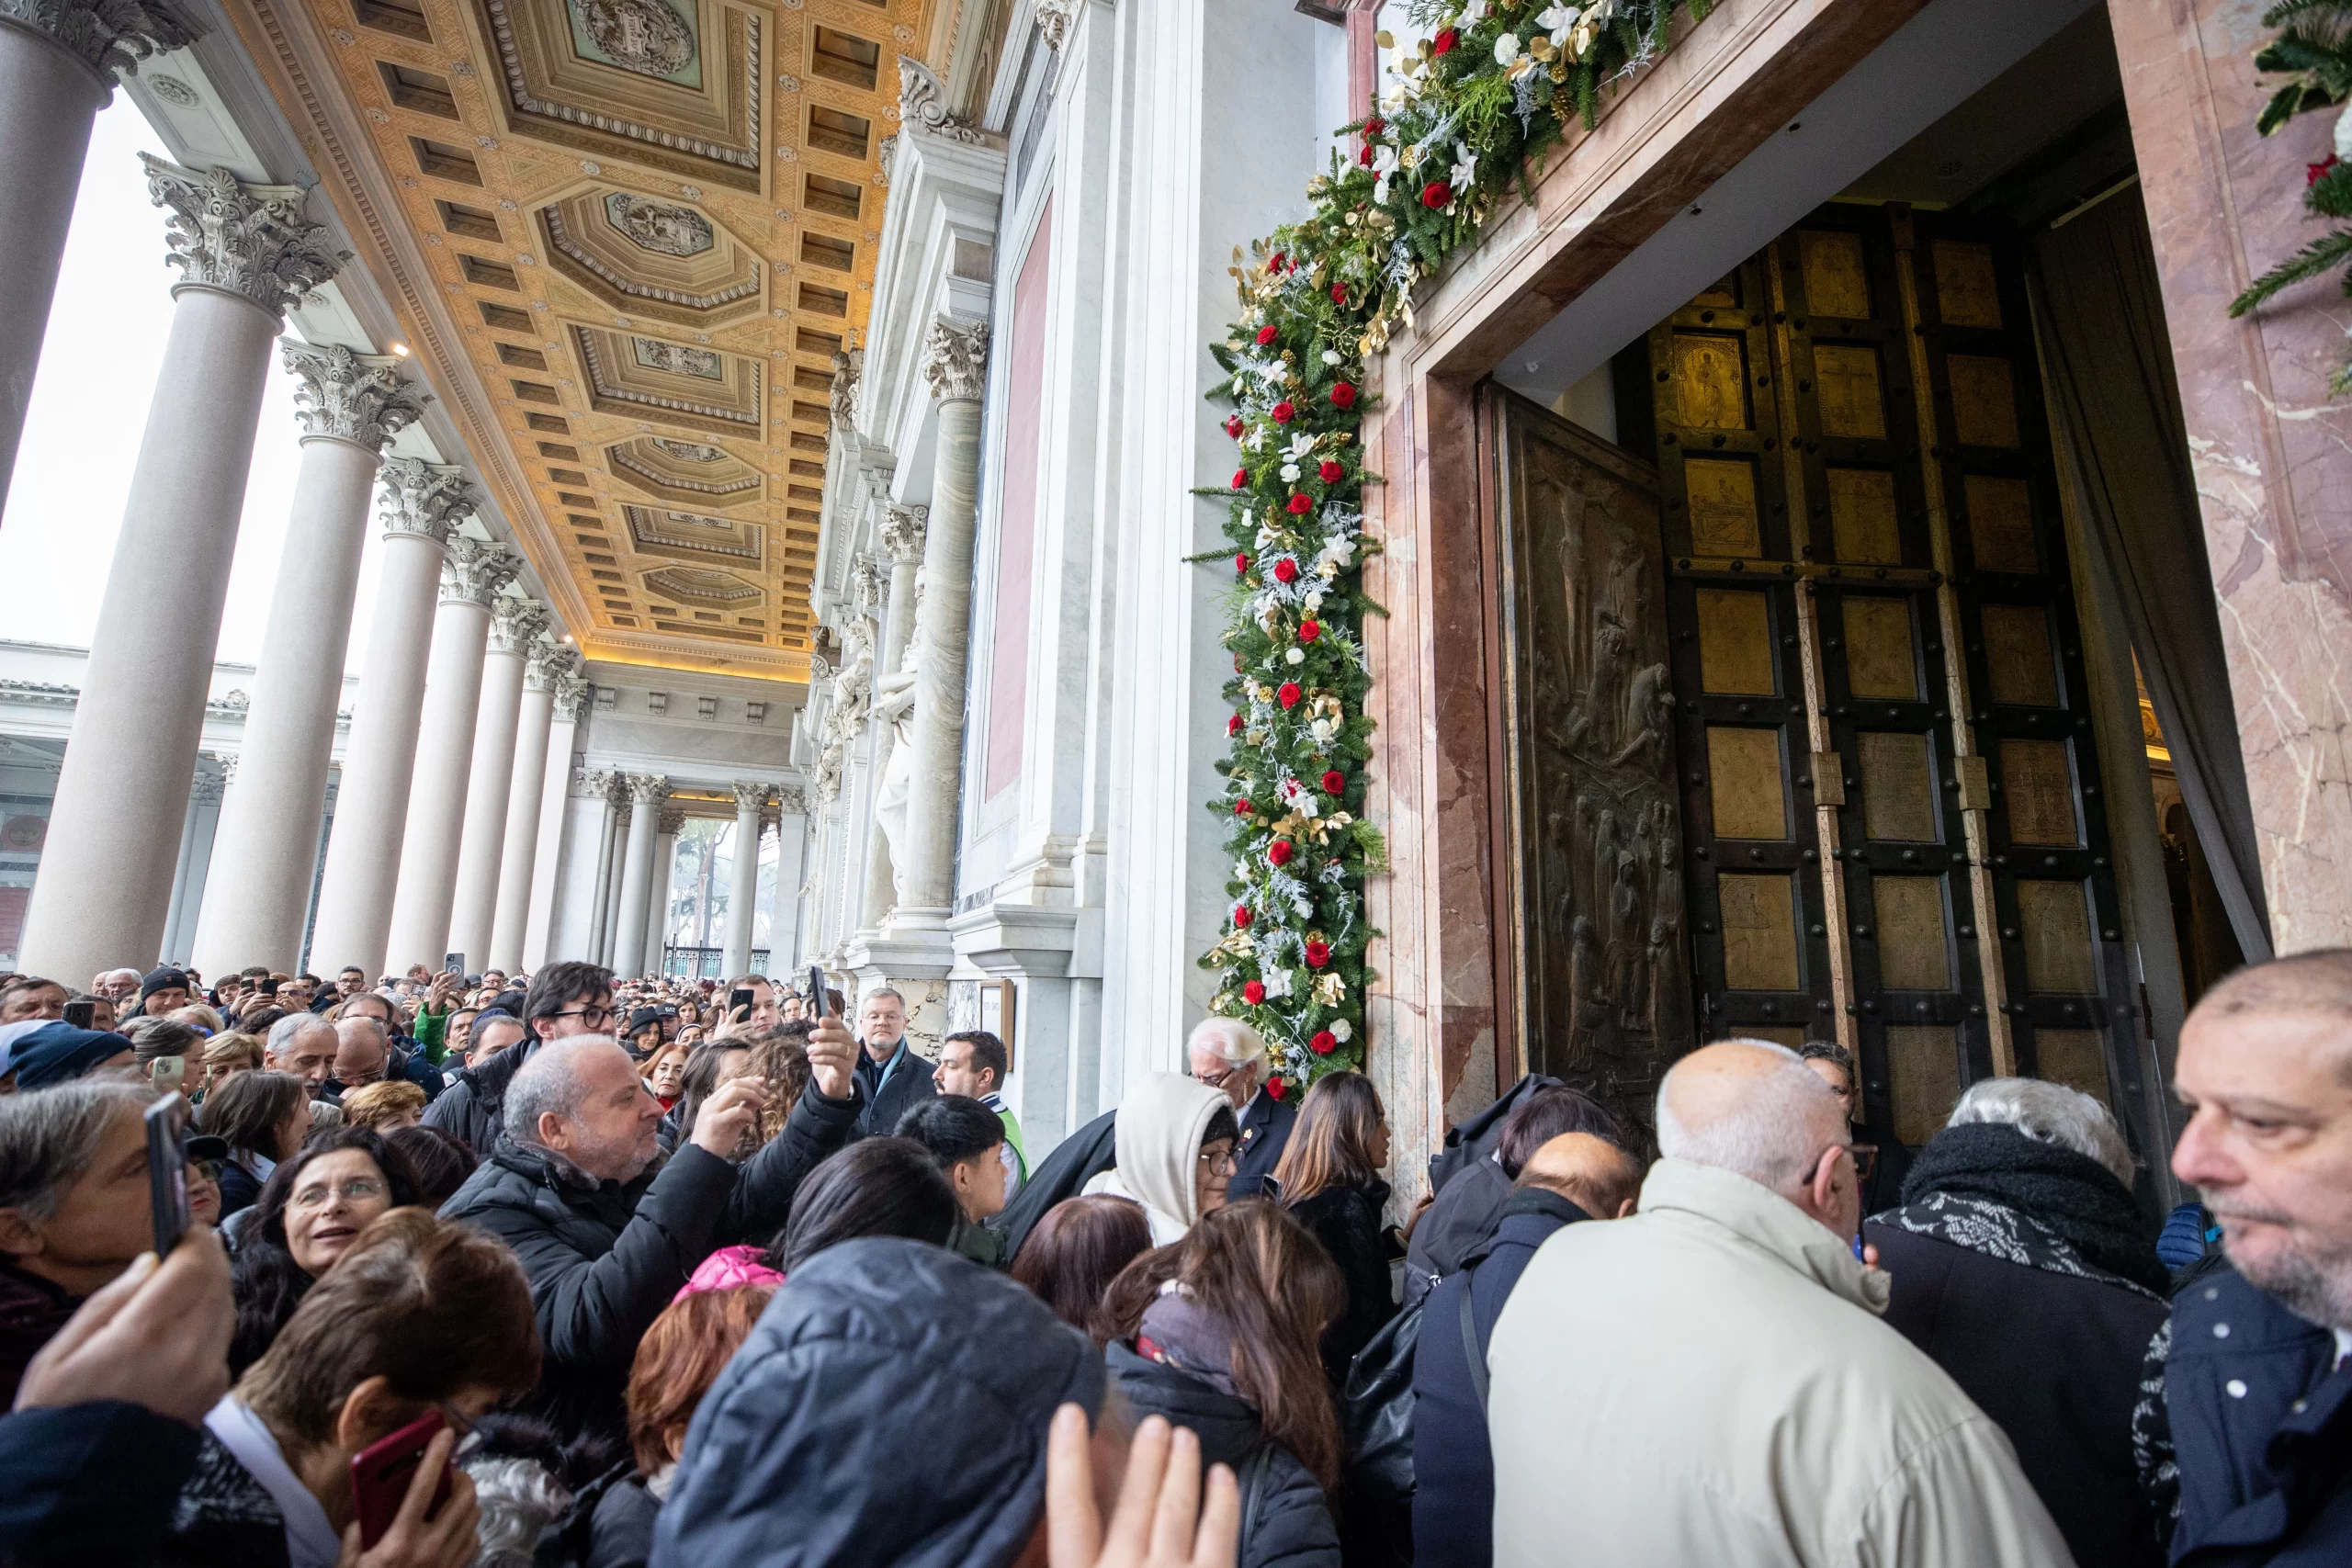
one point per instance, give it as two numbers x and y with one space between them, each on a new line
1175 1141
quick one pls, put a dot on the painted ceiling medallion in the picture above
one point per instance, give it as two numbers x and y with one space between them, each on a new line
683 535
653 259
684 473
691 451
659 227
648 37
702 585
676 359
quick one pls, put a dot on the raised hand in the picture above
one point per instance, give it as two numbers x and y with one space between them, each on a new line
1160 1521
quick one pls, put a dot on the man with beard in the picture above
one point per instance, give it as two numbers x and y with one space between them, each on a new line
2257 1384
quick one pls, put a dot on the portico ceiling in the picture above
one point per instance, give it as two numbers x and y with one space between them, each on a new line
628 237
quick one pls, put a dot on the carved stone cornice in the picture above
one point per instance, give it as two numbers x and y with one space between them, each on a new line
108 37
571 692
922 104
647 789
475 569
670 821
350 397
208 789
849 364
903 528
1054 17
515 624
427 500
249 241
955 358
752 793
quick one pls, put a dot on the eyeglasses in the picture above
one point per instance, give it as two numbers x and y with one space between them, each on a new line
1865 1158
1227 1162
208 1168
1217 1081
358 1189
362 1078
591 1017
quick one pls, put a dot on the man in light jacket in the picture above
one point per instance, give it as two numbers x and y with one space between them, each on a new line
1736 1398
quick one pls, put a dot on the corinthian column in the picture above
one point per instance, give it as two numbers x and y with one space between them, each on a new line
551 667
470 579
245 254
516 629
58 61
955 362
743 877
349 405
423 502
659 885
646 792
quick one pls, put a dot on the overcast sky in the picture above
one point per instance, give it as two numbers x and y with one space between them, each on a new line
97 375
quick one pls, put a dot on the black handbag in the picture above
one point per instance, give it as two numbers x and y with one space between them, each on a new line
1376 1412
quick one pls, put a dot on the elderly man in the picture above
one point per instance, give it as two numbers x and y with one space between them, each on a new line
2257 1384
303 1044
892 1078
1734 1397
607 1230
1228 1055
118 985
30 997
364 1054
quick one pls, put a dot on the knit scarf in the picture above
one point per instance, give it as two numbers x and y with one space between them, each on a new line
1995 1191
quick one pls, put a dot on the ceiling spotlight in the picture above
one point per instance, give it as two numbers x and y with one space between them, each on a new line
401 349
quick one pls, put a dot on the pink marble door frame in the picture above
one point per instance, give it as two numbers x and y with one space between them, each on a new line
2267 439
1443 1036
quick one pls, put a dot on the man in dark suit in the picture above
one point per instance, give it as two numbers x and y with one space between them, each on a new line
894 1078
1228 1055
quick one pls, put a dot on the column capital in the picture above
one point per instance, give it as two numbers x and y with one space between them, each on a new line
672 819
108 37
922 104
427 500
552 663
350 397
791 800
903 528
475 569
954 354
515 624
1054 17
251 241
848 367
571 688
614 786
647 788
751 795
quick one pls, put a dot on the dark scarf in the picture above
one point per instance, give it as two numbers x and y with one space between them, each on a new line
1993 1189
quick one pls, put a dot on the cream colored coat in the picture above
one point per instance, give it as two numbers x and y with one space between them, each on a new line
1708 1384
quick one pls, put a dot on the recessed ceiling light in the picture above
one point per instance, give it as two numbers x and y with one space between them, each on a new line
401 349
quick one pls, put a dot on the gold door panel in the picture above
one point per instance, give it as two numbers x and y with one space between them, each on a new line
1898 797
1721 494
1743 781
1966 286
2075 1057
2055 926
2040 787
1984 401
1913 941
2017 656
1925 1068
2000 523
1851 401
1710 381
1880 663
1760 932
1835 284
1863 524
1735 655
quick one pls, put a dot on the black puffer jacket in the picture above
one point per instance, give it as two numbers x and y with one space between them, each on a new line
1346 1220
604 1260
473 1106
1286 1521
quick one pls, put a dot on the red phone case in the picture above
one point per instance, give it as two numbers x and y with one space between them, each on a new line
380 1474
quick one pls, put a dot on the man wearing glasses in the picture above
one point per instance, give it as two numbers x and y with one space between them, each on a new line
564 1000
1228 1055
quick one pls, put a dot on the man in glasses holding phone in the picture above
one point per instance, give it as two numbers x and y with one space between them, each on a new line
565 1000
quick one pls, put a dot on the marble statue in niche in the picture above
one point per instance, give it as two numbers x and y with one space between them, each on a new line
659 226
648 37
676 359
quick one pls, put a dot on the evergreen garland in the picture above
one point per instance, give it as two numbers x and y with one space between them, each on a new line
2314 46
1494 87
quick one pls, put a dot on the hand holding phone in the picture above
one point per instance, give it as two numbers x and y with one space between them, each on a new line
410 1500
819 995
167 1171
82 1015
739 998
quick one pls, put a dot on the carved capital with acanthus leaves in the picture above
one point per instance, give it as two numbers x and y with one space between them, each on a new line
955 359
475 569
547 664
250 241
515 624
351 397
648 789
423 499
903 528
922 104
751 795
1054 17
107 37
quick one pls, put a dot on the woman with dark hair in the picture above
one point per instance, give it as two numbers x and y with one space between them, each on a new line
263 1117
312 1210
1329 1177
875 1186
1076 1251
708 1067
1218 1333
439 1158
1467 1208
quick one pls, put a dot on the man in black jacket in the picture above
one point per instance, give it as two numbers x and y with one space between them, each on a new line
893 1079
606 1231
565 999
2258 1388
1229 1057
1575 1176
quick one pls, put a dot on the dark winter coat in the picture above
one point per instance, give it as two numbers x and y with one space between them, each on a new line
1265 1132
88 1484
1346 1220
240 1189
1287 1520
909 1085
1458 1221
474 1106
890 1407
1453 1468
2262 1428
224 1517
605 1260
31 1312
620 1532
1076 1160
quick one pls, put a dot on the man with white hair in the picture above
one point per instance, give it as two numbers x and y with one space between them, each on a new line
1708 1381
304 1044
608 1232
1230 1058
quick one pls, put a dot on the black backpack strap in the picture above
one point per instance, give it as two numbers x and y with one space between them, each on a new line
1471 1348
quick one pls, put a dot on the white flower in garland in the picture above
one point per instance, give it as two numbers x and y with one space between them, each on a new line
1342 1030
1295 656
1465 168
1302 445
1278 982
1325 731
1559 21
1290 473
1505 49
1383 168
1330 356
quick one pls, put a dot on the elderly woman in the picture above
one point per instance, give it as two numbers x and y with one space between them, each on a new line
2023 1265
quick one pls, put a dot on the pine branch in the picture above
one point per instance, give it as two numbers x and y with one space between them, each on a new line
2328 251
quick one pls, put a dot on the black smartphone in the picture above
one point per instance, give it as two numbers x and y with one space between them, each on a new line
817 991
82 1015
269 986
167 1170
453 963
741 996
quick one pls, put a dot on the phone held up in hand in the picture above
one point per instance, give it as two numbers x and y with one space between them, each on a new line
382 1472
167 1171
741 996
82 1015
453 963
818 996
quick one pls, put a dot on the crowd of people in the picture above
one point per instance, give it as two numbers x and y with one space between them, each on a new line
501 1269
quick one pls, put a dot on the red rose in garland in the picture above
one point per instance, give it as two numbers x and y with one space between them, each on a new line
1343 394
1278 853
1437 192
2314 173
1233 725
1375 126
1329 472
1274 1087
1340 290
1364 157
1318 954
1242 808
1278 262
1300 506
1266 334
1282 413
1334 782
1444 41
1288 694
1241 917
1233 427
1285 571
1241 479
1253 993
1310 631
1324 1042
1241 560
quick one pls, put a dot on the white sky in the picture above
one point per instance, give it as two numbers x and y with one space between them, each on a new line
99 365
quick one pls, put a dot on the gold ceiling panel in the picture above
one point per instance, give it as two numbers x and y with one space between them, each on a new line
647 227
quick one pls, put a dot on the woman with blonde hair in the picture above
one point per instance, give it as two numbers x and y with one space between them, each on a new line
384 1108
1329 1178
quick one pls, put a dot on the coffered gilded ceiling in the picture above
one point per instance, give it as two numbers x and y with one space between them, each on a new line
628 238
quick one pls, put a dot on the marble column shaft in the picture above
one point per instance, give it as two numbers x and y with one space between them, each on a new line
58 65
954 361
744 878
423 902
791 873
254 909
245 253
646 791
612 834
527 803
903 539
552 859
515 625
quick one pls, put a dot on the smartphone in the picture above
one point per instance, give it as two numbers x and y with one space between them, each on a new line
382 1472
269 986
741 996
167 1074
82 1015
167 1171
816 992
453 963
